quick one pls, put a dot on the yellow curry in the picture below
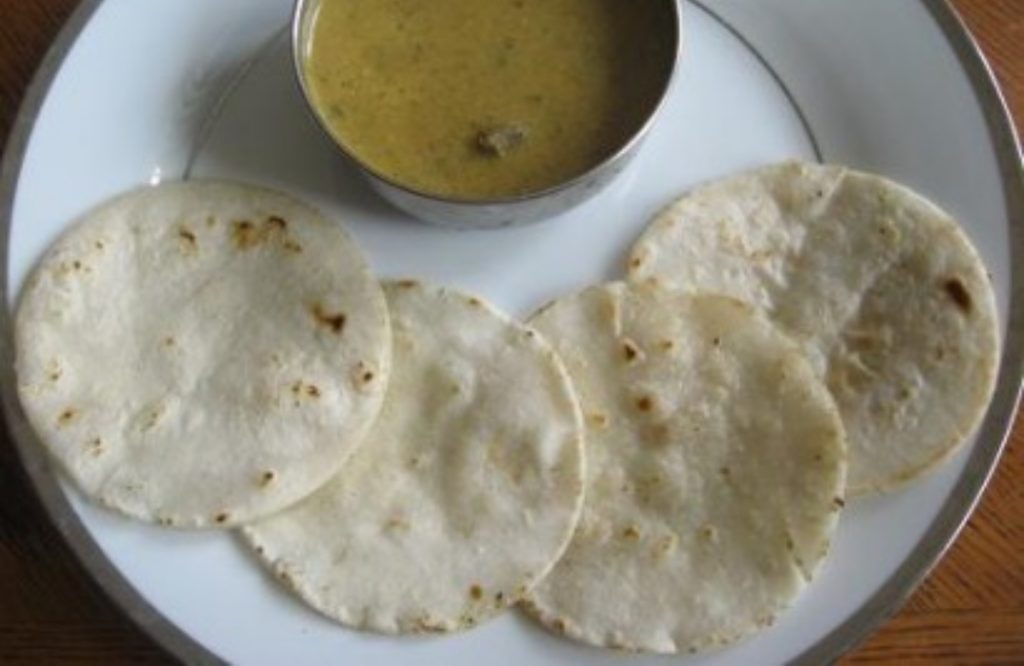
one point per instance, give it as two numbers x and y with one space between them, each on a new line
475 99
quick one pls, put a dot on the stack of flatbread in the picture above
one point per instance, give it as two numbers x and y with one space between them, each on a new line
653 464
210 354
788 337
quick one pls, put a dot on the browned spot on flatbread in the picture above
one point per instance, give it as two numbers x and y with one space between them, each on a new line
476 592
658 434
67 417
427 625
95 446
407 284
335 321
629 350
645 403
363 376
245 234
221 517
665 546
286 578
958 293
153 417
267 477
188 239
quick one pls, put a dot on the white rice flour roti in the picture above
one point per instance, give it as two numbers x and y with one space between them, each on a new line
715 470
201 354
881 288
467 489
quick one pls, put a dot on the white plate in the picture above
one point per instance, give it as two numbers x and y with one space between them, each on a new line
135 90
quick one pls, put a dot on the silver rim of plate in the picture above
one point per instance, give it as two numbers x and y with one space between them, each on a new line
943 530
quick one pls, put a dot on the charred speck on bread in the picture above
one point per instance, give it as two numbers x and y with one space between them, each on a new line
186 235
335 321
67 416
958 293
244 234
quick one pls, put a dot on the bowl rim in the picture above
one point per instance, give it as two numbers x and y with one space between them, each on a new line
298 36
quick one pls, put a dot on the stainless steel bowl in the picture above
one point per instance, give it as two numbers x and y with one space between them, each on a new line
488 213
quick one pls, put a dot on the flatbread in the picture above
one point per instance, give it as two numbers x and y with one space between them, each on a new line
202 354
715 470
467 491
882 289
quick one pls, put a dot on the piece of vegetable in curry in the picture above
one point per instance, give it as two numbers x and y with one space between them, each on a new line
486 98
498 141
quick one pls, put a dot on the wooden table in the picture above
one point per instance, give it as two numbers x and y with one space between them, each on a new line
969 611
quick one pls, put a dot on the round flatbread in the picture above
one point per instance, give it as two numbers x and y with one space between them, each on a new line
202 354
467 490
882 289
715 470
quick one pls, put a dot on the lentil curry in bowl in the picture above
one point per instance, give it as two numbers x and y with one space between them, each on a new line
476 100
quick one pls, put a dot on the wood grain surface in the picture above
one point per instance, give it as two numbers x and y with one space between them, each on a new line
969 611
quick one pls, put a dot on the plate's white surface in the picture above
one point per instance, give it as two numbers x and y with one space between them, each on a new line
876 80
